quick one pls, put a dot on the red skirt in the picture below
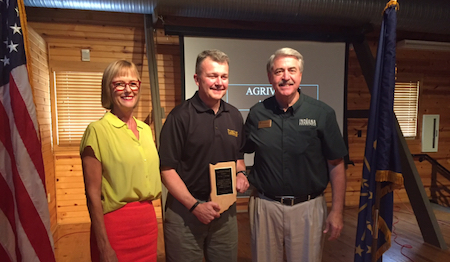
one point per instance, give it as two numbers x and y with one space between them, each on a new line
132 232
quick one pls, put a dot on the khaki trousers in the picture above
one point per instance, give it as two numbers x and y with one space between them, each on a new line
297 229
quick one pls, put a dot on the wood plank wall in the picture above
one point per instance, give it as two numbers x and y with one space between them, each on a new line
113 36
41 92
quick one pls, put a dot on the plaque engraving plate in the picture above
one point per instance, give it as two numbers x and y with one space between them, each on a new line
224 182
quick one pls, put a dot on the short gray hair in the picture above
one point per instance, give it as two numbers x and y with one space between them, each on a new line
285 51
215 55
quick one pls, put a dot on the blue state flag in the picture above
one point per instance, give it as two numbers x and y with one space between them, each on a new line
382 161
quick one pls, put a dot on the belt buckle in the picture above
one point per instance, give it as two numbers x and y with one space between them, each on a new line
289 200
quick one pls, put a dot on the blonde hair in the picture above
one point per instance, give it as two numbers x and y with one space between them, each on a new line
286 51
116 68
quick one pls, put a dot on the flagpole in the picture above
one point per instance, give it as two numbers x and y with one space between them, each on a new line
382 167
376 213
23 22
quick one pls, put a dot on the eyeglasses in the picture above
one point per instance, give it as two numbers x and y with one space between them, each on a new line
121 85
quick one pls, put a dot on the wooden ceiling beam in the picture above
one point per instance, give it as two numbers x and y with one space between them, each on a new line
261 30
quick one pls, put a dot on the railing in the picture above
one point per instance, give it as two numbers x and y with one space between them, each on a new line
439 192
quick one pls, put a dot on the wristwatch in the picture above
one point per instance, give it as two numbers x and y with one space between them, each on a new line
243 172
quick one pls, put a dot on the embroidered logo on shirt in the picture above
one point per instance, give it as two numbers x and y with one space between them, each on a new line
307 122
232 133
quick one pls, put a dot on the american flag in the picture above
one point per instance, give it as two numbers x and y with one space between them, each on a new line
24 217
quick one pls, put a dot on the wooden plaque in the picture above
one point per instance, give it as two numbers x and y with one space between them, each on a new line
223 184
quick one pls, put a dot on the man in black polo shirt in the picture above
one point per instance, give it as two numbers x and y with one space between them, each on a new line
200 131
298 150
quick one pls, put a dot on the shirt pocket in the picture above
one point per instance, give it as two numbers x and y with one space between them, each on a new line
302 139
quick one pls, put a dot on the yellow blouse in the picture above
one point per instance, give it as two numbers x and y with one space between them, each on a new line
130 166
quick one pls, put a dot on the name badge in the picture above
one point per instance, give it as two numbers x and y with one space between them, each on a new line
265 123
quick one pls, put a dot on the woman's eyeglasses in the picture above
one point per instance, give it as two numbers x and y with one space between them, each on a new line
121 85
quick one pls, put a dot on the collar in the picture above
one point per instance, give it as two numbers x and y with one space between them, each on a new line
292 109
201 107
299 102
116 122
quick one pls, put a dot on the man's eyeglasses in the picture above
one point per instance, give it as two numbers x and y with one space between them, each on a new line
121 85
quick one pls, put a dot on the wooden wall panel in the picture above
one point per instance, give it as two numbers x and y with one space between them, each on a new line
71 200
41 92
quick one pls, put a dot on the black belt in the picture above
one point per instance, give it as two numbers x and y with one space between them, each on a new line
292 200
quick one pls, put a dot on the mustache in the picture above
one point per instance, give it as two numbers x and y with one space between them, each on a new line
282 82
218 87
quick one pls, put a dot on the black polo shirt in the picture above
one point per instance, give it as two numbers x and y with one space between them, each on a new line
292 148
193 137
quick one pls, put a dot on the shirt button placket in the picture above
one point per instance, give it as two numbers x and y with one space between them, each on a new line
284 146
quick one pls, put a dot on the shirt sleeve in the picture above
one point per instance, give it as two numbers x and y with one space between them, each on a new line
173 137
90 138
250 128
333 142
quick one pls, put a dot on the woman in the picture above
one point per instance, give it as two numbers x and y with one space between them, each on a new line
121 173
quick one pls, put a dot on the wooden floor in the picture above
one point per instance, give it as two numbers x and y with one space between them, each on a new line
72 241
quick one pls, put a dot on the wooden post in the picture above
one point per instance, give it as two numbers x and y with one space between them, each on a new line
153 76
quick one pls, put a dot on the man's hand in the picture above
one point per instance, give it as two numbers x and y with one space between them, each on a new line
334 225
207 212
242 183
335 219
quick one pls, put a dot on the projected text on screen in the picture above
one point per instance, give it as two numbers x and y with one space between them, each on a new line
243 96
